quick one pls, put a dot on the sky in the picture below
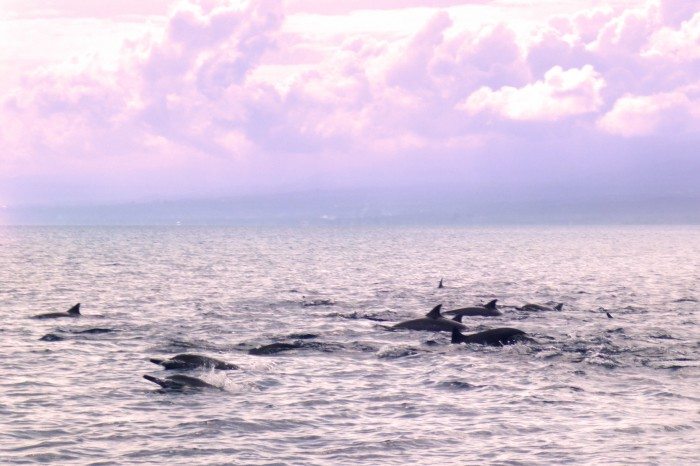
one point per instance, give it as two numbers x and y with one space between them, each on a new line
131 100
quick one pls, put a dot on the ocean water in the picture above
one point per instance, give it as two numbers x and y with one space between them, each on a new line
586 390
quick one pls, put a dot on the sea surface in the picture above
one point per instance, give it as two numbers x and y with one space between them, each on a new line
587 390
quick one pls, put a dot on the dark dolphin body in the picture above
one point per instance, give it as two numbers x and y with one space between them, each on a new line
179 382
493 337
540 308
433 321
279 347
193 361
274 348
302 336
487 310
88 331
72 312
94 331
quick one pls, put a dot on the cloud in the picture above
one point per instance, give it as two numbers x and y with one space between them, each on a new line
645 115
560 94
222 97
678 45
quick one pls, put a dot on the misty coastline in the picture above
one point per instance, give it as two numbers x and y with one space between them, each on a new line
349 208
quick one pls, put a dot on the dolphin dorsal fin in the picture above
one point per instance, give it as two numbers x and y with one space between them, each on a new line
491 304
559 306
457 336
440 284
435 313
75 310
458 318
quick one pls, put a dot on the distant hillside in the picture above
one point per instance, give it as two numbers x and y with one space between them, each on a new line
375 208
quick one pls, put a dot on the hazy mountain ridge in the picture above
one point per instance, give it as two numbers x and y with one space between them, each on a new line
373 207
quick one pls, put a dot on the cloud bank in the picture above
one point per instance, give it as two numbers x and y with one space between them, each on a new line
220 98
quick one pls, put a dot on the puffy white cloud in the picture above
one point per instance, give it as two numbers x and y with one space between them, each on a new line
562 93
678 45
644 115
627 32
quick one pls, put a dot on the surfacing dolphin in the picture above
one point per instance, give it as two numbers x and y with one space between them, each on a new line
440 284
539 308
72 312
51 337
193 361
493 337
433 321
487 310
89 331
274 348
94 331
179 382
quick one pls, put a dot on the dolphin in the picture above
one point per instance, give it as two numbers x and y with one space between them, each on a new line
51 337
72 312
433 321
95 330
279 347
487 310
274 348
179 382
609 315
302 336
540 308
193 361
493 337
440 284
89 331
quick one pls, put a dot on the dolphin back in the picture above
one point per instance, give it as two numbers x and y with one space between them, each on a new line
434 313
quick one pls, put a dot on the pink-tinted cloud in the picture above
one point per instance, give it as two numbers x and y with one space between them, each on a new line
679 45
560 94
222 98
644 115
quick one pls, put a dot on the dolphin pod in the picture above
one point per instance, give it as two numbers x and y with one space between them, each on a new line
487 310
193 361
433 321
72 312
